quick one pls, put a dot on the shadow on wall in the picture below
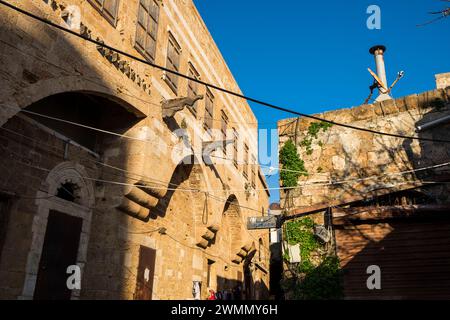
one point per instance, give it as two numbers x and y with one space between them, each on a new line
76 92
181 174
424 154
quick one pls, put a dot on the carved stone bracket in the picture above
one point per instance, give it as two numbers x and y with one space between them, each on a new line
172 106
211 146
208 236
140 199
243 253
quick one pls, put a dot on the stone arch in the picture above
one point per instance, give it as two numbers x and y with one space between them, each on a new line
81 208
64 84
232 226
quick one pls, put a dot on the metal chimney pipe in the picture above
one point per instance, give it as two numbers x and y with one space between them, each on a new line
378 52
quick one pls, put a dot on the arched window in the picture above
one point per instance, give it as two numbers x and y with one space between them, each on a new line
67 191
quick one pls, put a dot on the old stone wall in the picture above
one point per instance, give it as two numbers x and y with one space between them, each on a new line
345 164
443 80
138 183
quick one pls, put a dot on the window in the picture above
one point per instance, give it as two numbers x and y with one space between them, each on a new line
253 166
246 161
235 148
173 62
223 129
209 111
67 192
107 8
193 87
147 28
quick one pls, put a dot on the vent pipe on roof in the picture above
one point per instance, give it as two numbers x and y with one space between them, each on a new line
378 52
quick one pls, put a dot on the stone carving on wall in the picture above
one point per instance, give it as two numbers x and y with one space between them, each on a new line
172 106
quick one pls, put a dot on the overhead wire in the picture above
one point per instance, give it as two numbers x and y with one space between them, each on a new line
161 144
210 85
164 185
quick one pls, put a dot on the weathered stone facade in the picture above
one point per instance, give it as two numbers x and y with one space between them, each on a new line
133 190
345 164
443 80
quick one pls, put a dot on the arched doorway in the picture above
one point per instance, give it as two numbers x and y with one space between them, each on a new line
53 157
232 226
61 228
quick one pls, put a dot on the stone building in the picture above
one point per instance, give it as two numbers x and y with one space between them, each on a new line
384 198
102 168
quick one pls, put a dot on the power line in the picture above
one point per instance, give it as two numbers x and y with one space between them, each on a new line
159 143
209 85
124 93
144 140
163 184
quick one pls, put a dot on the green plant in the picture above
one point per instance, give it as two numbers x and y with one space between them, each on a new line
319 280
312 134
295 167
315 127
301 231
286 256
322 282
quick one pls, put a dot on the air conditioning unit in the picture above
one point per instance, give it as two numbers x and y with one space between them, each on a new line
322 233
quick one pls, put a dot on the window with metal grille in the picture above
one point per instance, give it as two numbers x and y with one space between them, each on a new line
107 8
223 129
209 111
173 62
253 166
246 161
147 28
193 89
235 148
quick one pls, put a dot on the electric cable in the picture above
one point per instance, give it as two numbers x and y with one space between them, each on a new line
212 86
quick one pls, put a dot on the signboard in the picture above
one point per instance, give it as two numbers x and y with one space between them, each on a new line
266 222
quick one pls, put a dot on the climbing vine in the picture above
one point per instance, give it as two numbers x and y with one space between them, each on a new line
295 167
312 134
290 159
319 272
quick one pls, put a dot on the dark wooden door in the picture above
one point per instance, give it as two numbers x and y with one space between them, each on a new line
59 251
3 221
146 272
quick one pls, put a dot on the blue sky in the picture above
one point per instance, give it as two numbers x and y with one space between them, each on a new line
312 56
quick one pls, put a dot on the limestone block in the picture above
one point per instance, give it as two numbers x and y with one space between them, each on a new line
214 227
443 80
142 198
242 253
134 209
237 260
389 107
157 191
203 244
208 235
412 101
338 163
